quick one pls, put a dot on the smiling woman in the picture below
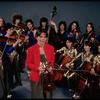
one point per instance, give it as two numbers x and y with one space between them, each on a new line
37 58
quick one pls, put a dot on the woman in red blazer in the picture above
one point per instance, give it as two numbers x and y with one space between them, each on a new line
37 56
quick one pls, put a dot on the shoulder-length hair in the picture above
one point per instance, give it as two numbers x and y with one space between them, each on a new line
77 26
64 23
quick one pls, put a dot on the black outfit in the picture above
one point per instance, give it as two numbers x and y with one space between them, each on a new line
60 40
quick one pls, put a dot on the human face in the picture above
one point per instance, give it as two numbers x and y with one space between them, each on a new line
99 49
62 26
89 28
41 40
17 21
92 39
43 24
10 31
29 25
87 48
1 22
68 43
73 26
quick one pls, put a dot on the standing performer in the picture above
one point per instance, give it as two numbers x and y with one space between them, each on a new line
30 33
44 25
7 49
2 87
2 33
37 56
61 35
19 28
87 36
74 32
2 27
30 39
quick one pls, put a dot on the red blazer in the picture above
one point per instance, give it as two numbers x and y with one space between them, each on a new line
33 60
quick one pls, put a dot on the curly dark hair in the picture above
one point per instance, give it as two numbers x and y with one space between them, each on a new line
92 26
43 19
29 20
16 16
77 26
64 23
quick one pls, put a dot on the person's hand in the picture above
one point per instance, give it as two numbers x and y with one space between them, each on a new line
92 71
41 69
49 69
26 38
87 59
67 65
52 23
67 53
19 40
92 39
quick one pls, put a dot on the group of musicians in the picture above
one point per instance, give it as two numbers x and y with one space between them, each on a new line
70 46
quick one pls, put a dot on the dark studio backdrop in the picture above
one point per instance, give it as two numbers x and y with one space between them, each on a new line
81 11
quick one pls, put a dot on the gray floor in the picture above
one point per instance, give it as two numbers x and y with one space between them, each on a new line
24 92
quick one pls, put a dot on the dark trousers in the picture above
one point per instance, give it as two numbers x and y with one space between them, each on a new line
8 76
2 87
22 57
16 69
37 90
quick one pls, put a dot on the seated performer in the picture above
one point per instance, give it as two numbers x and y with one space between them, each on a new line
87 59
95 70
68 49
65 54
